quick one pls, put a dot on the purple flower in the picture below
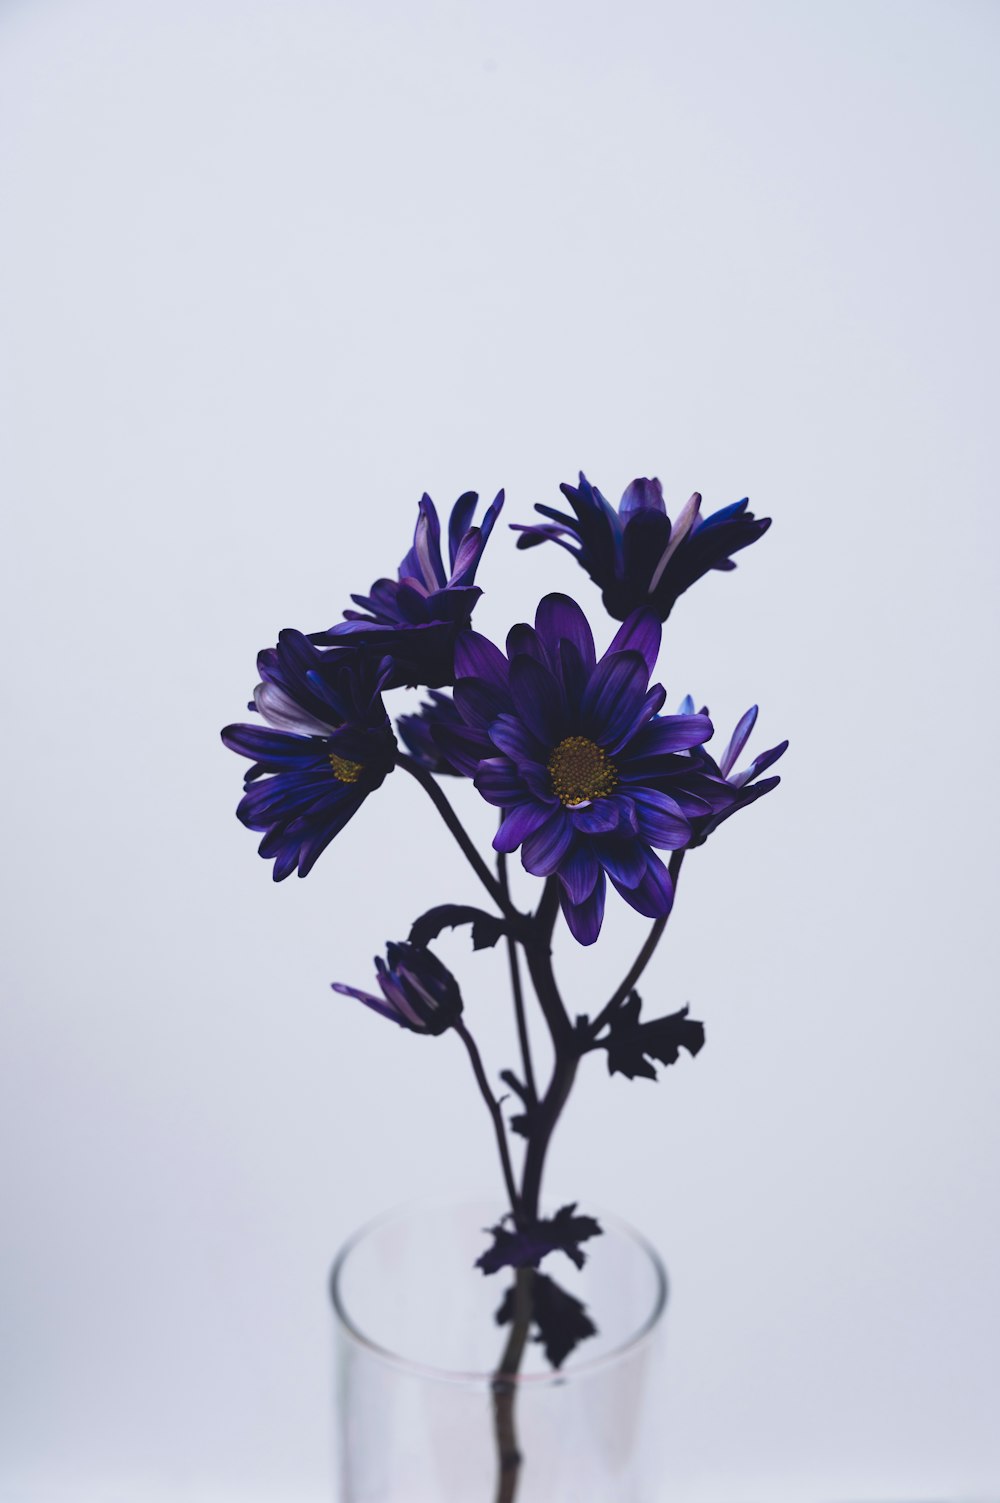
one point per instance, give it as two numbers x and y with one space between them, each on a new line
416 618
326 746
418 732
418 992
741 787
635 554
588 775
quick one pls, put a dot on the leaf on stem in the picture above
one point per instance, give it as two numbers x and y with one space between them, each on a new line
525 1248
486 927
631 1045
561 1321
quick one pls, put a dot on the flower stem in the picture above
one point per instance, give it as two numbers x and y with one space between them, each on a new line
440 800
641 961
493 1107
518 993
509 1456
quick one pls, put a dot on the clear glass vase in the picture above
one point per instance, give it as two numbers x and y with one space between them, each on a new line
427 1412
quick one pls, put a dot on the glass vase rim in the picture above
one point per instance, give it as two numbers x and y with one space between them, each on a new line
633 1342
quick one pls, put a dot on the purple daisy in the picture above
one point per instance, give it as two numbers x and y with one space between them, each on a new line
418 992
742 787
589 777
635 554
418 732
416 618
326 746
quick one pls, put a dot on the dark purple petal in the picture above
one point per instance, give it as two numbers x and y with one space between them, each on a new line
670 733
641 495
545 848
377 1004
654 895
513 738
518 824
584 919
615 692
538 700
623 860
522 642
660 820
559 618
579 872
759 764
737 741
499 781
599 818
641 632
459 522
476 657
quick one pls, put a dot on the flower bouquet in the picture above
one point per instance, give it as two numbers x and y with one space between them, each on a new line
590 781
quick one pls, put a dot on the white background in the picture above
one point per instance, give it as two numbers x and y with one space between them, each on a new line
269 270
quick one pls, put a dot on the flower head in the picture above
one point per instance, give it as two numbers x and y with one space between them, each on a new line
418 992
588 776
742 787
327 744
415 619
418 732
635 554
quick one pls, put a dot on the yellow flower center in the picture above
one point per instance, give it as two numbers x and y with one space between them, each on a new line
581 771
345 771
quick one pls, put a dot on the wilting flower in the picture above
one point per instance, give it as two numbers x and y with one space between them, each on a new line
416 618
326 746
588 775
418 992
635 554
418 730
741 786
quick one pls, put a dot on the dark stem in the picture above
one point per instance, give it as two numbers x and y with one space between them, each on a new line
643 958
509 1458
567 1047
518 991
440 800
494 1110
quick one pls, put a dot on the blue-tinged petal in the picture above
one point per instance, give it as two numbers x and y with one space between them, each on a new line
615 692
538 700
584 919
545 847
687 705
477 657
660 820
579 872
640 632
737 741
559 618
518 824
